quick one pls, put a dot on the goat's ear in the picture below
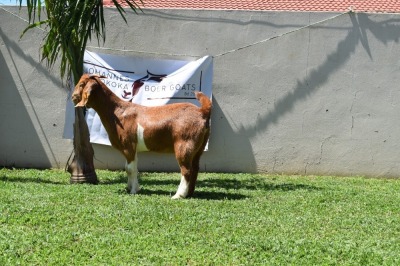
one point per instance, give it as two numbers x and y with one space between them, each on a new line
85 97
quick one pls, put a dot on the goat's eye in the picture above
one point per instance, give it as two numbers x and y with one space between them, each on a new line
81 85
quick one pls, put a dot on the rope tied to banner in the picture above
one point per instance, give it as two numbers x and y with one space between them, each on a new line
350 10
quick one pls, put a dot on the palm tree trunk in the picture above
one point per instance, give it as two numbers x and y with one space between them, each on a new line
82 167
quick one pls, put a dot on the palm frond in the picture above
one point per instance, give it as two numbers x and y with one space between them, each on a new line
132 5
33 25
71 24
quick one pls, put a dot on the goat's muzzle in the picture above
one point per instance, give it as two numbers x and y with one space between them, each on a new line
76 98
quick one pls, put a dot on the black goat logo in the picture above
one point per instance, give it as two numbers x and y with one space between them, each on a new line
137 84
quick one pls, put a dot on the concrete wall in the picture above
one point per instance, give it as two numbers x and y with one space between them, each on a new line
321 100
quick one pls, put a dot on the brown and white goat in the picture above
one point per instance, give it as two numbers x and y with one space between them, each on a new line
182 128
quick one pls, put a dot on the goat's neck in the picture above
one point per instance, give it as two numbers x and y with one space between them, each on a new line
104 100
108 105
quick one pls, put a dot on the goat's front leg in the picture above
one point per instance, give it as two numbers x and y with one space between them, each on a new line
132 172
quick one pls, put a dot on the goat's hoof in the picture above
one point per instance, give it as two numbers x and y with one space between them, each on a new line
178 196
133 191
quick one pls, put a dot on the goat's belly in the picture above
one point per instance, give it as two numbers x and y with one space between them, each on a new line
141 145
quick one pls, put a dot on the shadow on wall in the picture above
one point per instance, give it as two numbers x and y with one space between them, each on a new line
205 17
227 148
20 144
15 47
224 142
383 31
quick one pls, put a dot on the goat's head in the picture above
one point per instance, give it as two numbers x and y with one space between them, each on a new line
81 93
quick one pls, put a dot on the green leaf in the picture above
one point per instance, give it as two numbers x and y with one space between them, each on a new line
34 25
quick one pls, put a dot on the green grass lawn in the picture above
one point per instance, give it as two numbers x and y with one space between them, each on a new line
234 219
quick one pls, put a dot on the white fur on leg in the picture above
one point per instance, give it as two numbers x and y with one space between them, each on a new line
183 189
133 182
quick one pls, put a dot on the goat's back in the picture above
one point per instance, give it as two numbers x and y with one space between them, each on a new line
163 126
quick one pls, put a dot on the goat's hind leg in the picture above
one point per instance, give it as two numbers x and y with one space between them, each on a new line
193 176
183 188
133 181
196 166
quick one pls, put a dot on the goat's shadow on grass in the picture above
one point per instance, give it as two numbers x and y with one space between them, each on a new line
204 195
146 183
30 180
205 188
119 180
254 184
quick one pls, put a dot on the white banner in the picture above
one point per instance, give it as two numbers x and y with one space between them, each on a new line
150 82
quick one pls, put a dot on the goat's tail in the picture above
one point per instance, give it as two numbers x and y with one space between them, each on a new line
205 104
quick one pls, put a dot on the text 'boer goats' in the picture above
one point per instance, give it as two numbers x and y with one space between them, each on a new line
182 128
